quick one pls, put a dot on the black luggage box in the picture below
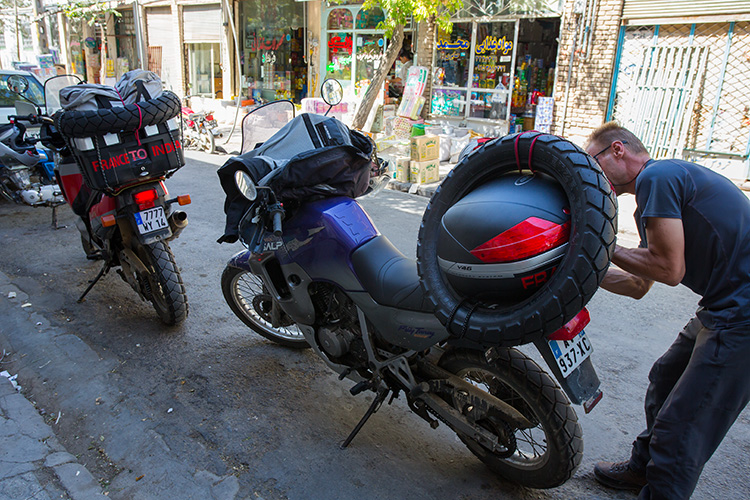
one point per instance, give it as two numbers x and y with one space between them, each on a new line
113 160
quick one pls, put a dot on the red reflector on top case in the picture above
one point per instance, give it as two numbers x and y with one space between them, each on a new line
530 237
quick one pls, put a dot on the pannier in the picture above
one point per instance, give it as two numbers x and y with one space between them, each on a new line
115 159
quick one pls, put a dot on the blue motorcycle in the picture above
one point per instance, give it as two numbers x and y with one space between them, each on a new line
317 274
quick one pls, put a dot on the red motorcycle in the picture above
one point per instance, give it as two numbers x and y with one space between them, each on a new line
112 164
199 129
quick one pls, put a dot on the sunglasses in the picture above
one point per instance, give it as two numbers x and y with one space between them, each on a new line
596 156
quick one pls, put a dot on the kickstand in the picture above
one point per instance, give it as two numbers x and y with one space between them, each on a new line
54 218
379 398
102 272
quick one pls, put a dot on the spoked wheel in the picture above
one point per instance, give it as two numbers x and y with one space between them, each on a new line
251 302
207 141
163 283
542 456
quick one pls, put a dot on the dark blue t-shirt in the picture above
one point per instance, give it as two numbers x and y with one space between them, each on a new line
716 220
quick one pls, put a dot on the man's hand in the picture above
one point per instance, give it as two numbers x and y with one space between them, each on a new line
663 260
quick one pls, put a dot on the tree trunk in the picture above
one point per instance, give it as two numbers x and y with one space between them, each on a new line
376 84
424 58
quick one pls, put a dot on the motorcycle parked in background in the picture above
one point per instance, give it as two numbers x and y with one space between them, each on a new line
26 172
317 274
199 129
111 177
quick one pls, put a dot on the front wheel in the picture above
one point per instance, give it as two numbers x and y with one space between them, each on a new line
164 287
543 456
250 301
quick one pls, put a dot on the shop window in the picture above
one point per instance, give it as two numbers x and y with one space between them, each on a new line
205 71
453 54
340 50
370 18
273 50
369 57
493 56
340 19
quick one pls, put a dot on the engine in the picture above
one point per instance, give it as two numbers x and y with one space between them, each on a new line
337 332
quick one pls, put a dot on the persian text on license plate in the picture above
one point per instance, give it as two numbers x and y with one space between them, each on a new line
571 353
150 220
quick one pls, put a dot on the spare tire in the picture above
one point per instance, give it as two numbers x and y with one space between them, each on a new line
118 118
593 231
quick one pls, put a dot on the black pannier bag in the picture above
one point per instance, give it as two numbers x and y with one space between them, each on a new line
311 157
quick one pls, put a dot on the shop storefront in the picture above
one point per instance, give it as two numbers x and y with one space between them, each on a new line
273 50
202 34
353 46
495 70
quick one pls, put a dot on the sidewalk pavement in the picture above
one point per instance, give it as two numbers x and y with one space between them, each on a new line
33 463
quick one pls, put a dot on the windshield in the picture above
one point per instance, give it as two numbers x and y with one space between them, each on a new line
264 121
35 92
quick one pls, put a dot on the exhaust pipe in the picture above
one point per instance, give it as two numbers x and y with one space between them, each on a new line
177 222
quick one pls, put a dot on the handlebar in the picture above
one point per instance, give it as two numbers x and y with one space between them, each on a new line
31 118
276 215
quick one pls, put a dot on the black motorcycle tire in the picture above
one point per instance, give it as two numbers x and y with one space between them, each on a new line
593 208
233 280
520 382
167 291
118 118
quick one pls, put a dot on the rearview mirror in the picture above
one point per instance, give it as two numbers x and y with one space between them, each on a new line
332 92
246 185
17 83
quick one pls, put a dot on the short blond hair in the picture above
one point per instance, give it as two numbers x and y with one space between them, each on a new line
612 131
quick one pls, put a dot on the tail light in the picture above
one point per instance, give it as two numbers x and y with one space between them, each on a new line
572 327
530 237
145 199
209 117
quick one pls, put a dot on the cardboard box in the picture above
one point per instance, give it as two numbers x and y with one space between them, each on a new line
403 167
424 171
425 147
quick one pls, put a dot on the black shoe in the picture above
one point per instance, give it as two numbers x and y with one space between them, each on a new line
619 475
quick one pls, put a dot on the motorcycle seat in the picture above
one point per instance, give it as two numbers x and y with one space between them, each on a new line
389 276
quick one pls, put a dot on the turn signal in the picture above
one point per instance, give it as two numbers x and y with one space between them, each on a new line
572 327
184 199
108 220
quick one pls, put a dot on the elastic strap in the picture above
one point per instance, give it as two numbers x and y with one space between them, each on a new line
531 150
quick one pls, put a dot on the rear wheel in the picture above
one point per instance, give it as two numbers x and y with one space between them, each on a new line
251 302
164 287
207 141
543 456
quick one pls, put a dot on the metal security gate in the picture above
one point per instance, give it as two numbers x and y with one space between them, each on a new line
685 89
662 98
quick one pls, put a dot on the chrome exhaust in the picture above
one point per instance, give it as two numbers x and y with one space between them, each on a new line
177 222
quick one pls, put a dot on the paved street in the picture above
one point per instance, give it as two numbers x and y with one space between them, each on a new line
210 410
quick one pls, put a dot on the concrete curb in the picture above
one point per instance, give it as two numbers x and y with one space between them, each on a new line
30 453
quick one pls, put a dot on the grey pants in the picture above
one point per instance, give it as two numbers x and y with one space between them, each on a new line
697 389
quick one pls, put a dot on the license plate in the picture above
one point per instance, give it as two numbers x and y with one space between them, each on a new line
151 220
571 353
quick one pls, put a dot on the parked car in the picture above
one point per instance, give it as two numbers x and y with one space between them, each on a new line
34 92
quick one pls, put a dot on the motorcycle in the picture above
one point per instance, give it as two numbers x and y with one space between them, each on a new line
112 169
199 129
26 172
317 274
